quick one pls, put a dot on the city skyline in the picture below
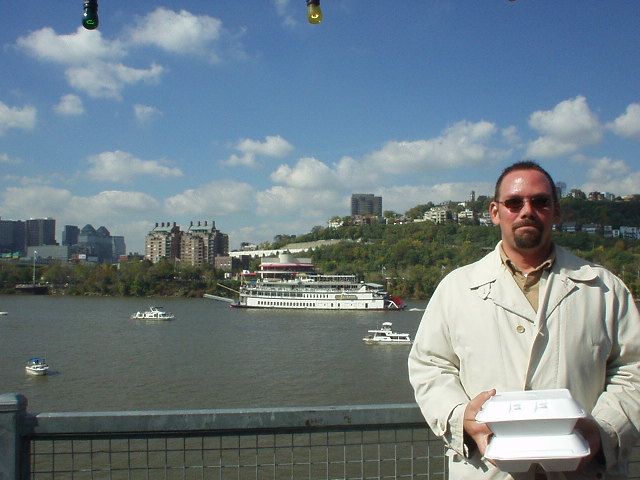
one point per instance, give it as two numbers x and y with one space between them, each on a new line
245 113
367 198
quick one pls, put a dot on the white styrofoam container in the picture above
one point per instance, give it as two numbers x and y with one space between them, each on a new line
555 453
531 412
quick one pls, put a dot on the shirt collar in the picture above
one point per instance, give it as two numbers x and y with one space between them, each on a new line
545 265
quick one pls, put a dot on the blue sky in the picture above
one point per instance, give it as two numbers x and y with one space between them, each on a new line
243 113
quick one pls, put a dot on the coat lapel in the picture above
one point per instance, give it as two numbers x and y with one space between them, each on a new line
562 281
492 281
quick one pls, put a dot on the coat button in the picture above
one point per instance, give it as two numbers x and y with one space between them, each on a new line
520 329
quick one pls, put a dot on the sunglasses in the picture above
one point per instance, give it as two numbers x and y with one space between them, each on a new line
515 204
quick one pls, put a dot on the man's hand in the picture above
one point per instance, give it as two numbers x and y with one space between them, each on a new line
589 430
479 432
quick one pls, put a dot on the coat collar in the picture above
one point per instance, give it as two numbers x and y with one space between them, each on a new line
566 264
566 273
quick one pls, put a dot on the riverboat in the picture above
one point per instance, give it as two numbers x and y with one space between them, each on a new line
386 336
154 313
36 366
286 282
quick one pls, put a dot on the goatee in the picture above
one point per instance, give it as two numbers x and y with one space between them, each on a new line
528 238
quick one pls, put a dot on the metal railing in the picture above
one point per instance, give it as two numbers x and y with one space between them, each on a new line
348 442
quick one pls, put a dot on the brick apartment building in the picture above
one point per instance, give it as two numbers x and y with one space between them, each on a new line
200 244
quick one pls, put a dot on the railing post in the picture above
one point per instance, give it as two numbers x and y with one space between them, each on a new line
13 408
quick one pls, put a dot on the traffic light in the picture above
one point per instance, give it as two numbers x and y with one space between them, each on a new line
314 14
90 15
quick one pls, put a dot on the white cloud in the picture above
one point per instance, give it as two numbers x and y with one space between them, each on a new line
565 129
93 64
308 173
116 202
213 199
462 145
146 113
89 60
14 117
353 174
247 160
273 146
295 202
58 203
628 124
609 175
118 166
511 135
106 80
313 189
80 48
178 32
69 105
26 202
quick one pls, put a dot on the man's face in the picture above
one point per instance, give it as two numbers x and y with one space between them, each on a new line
525 211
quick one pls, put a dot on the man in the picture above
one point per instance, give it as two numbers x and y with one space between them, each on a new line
529 316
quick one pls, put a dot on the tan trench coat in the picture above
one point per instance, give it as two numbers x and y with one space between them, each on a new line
479 332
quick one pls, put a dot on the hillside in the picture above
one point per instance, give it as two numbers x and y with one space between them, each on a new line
614 214
412 258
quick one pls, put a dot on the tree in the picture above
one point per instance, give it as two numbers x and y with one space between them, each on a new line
419 210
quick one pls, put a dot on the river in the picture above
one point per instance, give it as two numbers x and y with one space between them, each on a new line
210 356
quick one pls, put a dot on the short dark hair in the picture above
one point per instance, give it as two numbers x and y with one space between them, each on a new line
526 165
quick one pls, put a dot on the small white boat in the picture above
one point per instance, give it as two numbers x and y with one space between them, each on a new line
385 336
154 313
36 366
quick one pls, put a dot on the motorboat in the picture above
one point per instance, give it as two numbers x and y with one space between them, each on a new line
386 336
154 313
36 366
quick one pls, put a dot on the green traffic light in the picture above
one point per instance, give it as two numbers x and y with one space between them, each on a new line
90 16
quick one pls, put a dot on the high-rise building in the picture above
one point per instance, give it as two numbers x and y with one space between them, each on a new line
96 243
70 235
93 245
119 247
13 236
162 242
202 243
366 204
41 231
561 188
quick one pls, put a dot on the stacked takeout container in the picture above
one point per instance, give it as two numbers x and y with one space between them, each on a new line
534 426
